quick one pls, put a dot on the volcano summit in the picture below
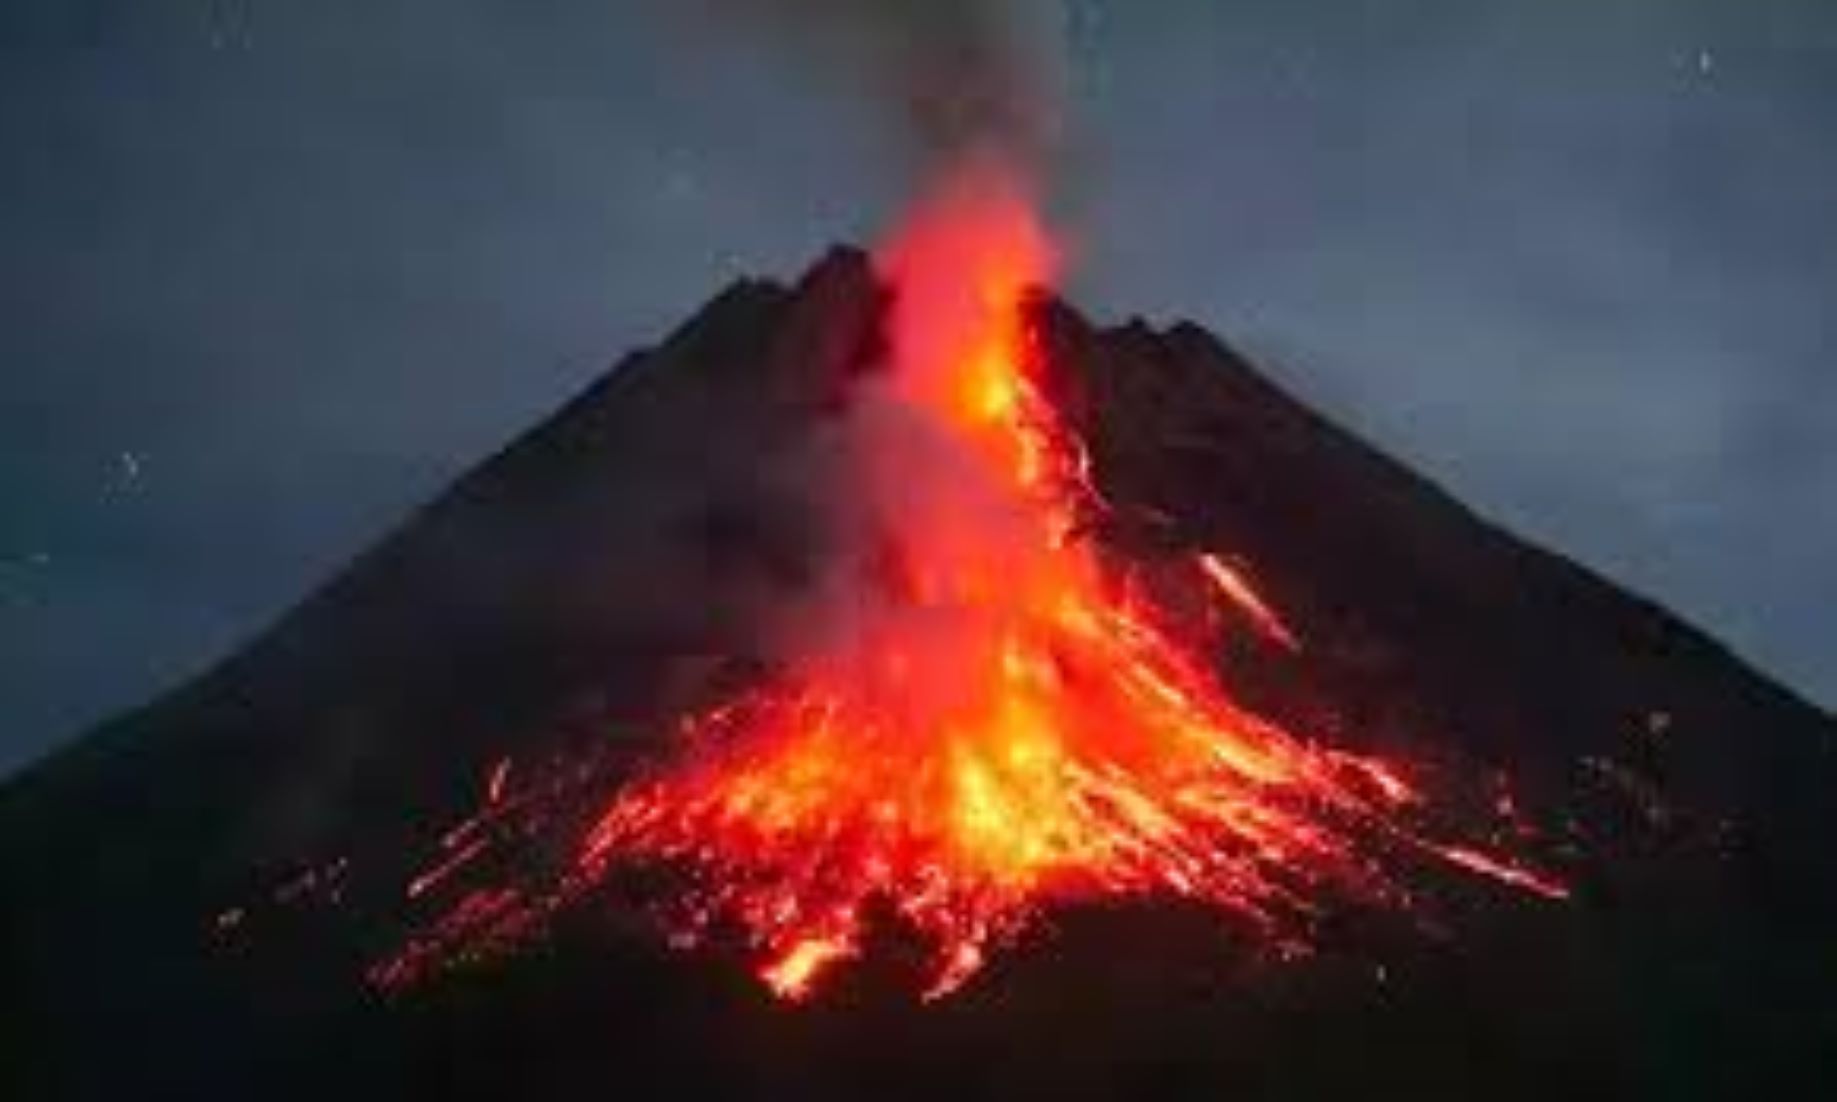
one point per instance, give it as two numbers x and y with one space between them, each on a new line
901 635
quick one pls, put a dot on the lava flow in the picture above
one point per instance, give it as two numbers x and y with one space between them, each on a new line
1001 727
990 720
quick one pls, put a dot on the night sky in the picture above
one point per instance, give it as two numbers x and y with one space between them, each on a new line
273 272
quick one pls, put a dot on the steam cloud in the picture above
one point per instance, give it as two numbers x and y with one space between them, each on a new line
962 77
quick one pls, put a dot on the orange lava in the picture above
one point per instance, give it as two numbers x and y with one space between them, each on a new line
990 723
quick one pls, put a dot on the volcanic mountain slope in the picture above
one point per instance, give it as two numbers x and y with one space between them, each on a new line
192 893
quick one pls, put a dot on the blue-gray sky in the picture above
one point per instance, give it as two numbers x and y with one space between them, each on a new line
273 272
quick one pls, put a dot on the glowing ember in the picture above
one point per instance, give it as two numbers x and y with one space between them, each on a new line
1231 584
991 721
794 973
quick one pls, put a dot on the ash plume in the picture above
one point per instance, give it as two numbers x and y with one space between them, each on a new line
960 77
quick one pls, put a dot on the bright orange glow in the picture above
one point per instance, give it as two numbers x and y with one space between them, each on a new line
793 975
992 721
1004 729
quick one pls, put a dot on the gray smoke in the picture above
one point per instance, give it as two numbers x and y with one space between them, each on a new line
959 76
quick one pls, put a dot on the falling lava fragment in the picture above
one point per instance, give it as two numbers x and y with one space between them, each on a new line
996 722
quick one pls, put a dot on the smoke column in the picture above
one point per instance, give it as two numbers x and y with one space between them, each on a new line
972 90
962 78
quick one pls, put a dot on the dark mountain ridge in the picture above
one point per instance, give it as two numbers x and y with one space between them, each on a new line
601 573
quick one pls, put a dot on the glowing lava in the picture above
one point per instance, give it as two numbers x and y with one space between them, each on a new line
984 718
990 722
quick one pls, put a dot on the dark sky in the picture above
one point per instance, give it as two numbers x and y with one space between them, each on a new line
272 272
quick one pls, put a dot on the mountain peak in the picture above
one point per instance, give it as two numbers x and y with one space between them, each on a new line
602 572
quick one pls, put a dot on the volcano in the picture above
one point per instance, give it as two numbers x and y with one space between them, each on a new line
1491 827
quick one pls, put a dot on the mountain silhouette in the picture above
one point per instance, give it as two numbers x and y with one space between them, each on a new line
193 891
